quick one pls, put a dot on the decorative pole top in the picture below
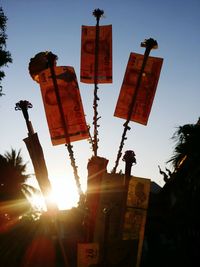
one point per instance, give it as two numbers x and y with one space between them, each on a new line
129 157
149 43
23 105
98 13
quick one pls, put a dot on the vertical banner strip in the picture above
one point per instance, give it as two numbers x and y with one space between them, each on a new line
146 93
87 71
71 103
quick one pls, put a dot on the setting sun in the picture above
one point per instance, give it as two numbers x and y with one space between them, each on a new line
64 194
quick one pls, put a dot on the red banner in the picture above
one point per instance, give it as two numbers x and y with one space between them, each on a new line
104 74
71 103
146 92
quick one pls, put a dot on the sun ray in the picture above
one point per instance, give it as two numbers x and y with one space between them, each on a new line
64 193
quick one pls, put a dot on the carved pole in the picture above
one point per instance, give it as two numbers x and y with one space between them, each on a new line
36 153
97 13
149 44
51 60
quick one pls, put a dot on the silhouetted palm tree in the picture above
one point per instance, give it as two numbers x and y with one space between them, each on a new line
174 229
12 175
13 203
188 144
17 221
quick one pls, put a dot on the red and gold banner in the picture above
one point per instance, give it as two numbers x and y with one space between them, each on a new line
71 103
146 92
104 74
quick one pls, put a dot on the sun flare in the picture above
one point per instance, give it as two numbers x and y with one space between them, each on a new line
64 194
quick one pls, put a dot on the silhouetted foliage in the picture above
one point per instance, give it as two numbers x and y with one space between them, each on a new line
12 175
5 56
173 224
36 243
188 144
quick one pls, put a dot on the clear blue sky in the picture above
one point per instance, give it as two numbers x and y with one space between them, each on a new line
40 25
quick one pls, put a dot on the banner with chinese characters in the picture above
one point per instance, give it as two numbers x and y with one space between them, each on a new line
146 92
104 59
88 254
74 126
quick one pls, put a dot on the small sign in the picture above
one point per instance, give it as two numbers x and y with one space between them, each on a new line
138 192
88 254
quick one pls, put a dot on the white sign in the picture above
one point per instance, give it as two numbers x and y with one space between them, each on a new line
88 254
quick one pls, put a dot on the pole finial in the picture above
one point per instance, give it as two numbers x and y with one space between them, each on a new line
129 158
98 13
150 43
24 105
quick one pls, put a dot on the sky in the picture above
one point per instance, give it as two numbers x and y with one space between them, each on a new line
49 25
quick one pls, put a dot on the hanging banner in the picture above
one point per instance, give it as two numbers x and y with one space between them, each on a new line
71 104
88 37
146 92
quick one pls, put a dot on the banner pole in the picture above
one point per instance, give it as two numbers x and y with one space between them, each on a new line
149 44
97 13
51 59
36 153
